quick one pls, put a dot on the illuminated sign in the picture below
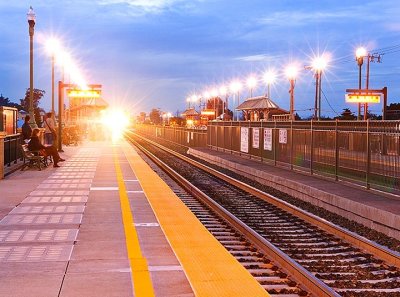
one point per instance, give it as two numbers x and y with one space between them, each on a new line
363 98
83 93
207 112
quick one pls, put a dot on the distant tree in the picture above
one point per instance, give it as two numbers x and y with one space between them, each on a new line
142 117
37 95
346 115
176 121
155 116
5 101
373 116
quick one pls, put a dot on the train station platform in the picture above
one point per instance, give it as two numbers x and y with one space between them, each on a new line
104 224
377 210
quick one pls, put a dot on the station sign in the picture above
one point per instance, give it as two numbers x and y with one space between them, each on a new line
208 112
363 98
76 93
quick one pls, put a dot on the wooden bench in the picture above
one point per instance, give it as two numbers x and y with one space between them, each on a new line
32 158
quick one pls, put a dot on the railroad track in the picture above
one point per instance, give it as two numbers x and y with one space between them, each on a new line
311 250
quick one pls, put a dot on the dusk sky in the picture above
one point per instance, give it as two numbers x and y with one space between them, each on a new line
154 54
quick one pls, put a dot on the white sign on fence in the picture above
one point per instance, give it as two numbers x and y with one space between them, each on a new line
268 139
283 136
256 137
244 139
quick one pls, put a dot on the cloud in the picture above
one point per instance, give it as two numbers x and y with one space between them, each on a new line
256 58
298 18
146 6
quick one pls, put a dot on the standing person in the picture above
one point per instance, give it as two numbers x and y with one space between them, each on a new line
50 129
35 145
26 129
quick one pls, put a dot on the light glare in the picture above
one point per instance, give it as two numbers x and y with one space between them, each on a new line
319 63
291 71
235 86
269 77
251 82
361 52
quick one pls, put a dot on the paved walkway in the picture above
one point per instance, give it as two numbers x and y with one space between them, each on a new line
104 224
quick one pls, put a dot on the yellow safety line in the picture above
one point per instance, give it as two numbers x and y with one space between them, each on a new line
142 284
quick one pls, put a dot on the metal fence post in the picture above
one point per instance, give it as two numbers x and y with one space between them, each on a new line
274 142
368 157
291 144
261 143
312 148
2 137
336 151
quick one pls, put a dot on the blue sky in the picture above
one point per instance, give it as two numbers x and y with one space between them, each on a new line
151 54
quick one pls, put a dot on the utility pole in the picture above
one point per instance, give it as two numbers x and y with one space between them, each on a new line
370 58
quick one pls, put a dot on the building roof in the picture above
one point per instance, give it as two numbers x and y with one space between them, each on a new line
91 103
190 112
261 102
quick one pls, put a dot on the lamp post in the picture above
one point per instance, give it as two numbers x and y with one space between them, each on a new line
360 54
318 65
251 83
52 48
269 78
235 88
224 92
31 21
291 73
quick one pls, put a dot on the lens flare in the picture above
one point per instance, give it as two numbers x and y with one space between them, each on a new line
115 122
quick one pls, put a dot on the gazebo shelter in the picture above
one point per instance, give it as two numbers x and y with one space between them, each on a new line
191 116
260 108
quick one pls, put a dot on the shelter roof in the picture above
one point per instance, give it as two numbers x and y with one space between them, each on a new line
260 102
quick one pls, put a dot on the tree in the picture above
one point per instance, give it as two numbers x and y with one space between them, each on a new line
37 95
346 115
5 101
155 116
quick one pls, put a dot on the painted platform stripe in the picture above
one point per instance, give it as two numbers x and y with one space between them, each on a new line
140 272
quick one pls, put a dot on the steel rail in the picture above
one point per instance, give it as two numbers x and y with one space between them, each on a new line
379 251
298 272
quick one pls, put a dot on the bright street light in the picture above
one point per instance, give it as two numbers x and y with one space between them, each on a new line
291 73
235 87
53 47
31 21
361 52
269 78
251 82
318 65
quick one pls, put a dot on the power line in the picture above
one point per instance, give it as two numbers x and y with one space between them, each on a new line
327 101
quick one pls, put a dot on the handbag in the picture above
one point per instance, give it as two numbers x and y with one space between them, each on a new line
53 131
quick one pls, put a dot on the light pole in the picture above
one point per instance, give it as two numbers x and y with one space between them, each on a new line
235 88
31 21
291 73
269 78
52 47
224 92
318 65
214 94
251 83
360 54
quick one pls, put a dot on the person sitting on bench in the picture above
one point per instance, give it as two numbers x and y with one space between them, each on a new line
35 145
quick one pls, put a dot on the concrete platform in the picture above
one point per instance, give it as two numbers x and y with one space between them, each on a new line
376 210
103 224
